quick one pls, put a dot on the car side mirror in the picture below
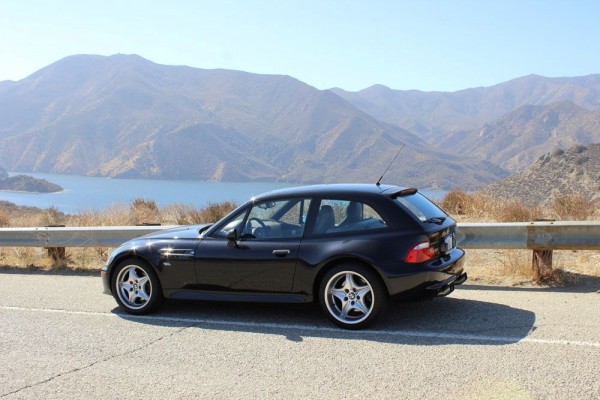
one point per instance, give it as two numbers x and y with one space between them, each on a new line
232 237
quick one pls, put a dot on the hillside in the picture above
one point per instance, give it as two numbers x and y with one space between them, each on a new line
432 115
517 139
124 116
24 183
561 172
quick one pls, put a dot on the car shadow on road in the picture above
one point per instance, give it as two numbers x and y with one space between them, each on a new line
441 321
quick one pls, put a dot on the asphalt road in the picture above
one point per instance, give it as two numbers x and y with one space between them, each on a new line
60 337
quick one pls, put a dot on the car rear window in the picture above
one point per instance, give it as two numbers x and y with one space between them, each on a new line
420 207
336 215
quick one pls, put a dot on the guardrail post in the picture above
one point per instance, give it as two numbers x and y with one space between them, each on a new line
542 265
542 257
58 254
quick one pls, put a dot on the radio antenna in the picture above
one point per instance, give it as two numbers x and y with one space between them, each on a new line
388 167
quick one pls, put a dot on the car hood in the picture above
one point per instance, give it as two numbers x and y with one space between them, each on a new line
180 232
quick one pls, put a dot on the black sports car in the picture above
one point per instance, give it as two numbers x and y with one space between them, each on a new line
347 246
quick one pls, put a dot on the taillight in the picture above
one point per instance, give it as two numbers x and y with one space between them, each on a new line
420 253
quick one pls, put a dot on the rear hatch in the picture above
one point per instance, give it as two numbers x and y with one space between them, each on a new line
443 241
439 227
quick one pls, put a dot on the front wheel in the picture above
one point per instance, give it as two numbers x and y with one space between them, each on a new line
136 288
352 296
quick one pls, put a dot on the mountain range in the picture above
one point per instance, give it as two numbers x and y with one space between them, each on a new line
435 114
125 116
518 138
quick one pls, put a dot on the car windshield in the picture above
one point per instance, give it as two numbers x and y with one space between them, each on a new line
421 207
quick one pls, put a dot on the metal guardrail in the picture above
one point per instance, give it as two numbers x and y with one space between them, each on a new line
541 237
93 236
560 235
563 235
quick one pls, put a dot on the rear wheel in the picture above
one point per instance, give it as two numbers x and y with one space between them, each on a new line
136 288
352 296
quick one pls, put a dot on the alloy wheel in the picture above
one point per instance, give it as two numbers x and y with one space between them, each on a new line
134 287
349 297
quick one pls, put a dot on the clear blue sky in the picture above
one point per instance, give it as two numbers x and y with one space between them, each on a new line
420 44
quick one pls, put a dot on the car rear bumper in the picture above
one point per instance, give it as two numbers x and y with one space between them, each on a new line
105 280
446 287
438 276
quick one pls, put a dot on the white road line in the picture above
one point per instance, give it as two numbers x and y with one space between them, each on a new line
311 328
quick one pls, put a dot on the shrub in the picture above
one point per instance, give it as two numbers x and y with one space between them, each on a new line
474 206
481 207
572 207
215 211
455 202
144 211
515 211
4 219
51 216
180 214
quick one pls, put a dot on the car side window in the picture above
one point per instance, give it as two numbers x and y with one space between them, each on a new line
346 216
232 224
281 219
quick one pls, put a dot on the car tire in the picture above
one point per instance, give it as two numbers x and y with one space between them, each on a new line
136 287
352 296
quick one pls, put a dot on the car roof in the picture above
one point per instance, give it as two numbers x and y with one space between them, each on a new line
338 189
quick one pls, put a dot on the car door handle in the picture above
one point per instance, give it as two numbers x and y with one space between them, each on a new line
281 253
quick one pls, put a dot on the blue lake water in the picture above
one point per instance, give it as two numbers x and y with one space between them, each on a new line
93 193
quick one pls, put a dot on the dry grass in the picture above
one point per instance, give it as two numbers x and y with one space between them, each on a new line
459 203
140 211
573 207
499 266
512 267
115 215
515 263
482 208
26 257
144 212
180 214
477 207
4 219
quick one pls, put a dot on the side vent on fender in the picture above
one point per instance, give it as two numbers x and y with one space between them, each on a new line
169 253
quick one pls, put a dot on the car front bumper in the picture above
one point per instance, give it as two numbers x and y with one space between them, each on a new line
105 280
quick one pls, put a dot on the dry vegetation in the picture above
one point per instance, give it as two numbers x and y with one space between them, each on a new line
477 207
139 212
489 266
515 266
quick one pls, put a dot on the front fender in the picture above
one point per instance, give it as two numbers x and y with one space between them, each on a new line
122 253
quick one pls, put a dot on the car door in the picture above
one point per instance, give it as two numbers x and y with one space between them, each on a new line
263 258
